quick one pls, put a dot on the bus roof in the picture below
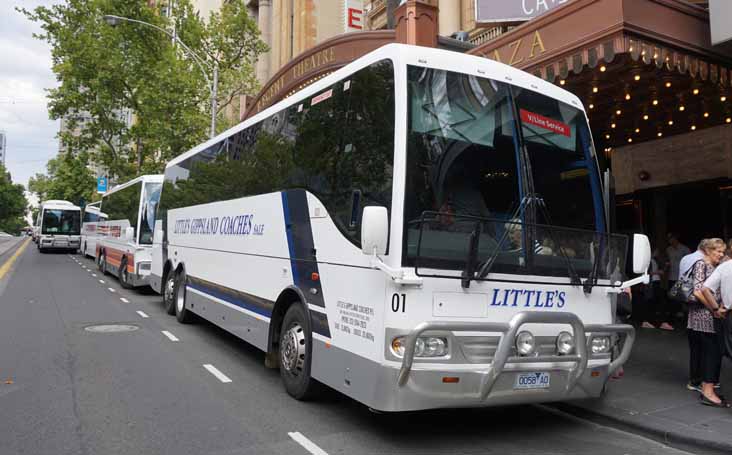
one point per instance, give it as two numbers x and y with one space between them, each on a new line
404 54
56 205
152 178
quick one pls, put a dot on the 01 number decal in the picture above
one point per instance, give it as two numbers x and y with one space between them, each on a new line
399 303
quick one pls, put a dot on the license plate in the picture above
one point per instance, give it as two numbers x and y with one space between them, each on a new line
532 381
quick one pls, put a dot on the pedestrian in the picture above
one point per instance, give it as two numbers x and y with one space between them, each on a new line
718 288
680 309
705 355
675 252
654 308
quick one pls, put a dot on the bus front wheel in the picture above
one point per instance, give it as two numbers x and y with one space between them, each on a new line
124 275
102 263
295 354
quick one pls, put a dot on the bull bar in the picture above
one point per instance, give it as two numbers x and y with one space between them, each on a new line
509 331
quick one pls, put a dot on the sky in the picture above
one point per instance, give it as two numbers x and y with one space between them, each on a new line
25 74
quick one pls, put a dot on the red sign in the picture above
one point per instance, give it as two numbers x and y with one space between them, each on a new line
354 18
545 122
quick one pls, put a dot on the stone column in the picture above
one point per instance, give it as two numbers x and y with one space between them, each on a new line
449 17
417 23
265 26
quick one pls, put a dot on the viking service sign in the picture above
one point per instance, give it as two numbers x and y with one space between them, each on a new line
513 10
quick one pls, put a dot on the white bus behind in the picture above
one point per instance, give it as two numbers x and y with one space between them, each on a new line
91 217
59 226
125 237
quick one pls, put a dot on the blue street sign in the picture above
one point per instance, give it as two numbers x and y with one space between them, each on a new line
101 184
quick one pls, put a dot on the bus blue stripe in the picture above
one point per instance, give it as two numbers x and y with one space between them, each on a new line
290 242
242 303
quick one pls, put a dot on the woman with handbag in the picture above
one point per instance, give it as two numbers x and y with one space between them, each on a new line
705 355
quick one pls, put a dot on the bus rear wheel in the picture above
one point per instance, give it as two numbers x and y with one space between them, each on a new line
295 354
169 293
182 314
124 275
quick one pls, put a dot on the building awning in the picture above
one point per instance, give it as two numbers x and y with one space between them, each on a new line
643 68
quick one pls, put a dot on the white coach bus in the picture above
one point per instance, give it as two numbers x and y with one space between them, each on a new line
90 220
369 233
58 225
125 237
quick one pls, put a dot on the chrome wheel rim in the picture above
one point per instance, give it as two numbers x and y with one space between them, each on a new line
180 296
292 349
169 289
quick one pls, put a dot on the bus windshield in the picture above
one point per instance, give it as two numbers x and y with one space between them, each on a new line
476 148
61 222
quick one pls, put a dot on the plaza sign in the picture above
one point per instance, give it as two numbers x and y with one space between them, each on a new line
487 11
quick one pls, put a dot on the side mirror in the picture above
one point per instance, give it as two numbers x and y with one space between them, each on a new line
641 254
374 230
129 234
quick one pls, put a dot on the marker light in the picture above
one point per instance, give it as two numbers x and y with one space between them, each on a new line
525 343
424 347
600 345
565 343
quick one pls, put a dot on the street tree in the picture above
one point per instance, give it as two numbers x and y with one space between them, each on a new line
133 98
12 203
67 178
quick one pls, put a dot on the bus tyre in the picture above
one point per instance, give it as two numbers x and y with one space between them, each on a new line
296 343
124 275
169 293
182 314
103 264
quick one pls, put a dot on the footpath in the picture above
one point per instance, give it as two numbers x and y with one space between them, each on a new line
7 243
651 398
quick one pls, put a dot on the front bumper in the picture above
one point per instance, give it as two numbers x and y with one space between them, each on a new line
59 243
421 386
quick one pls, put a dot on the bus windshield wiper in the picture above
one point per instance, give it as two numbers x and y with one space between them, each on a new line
485 267
574 276
472 258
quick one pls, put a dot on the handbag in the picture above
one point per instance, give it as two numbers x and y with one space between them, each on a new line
683 289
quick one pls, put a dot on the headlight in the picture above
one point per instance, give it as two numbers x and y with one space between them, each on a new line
600 345
525 343
565 343
424 347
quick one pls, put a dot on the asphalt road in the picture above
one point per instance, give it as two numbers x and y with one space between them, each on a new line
66 390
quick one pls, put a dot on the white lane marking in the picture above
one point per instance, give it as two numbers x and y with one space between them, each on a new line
214 371
142 315
307 443
111 289
101 281
170 336
125 300
94 274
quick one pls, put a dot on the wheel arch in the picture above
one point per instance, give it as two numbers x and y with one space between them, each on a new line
291 295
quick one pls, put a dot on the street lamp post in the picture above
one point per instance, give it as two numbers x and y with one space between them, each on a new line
213 83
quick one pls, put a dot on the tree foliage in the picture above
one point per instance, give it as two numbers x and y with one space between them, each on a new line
68 178
12 203
110 74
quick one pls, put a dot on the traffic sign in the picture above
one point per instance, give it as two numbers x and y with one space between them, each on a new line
101 184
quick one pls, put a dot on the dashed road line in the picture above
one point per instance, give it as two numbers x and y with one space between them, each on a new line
101 281
309 445
170 336
142 314
94 274
219 375
125 300
111 290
